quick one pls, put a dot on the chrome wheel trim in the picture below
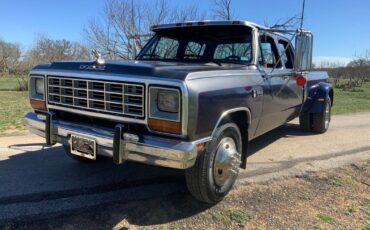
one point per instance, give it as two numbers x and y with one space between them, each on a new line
327 115
225 165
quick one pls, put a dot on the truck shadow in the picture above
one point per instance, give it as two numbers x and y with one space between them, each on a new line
285 131
141 194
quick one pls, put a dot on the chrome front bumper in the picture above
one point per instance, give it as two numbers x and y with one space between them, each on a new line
147 149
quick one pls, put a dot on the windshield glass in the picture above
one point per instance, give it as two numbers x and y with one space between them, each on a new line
230 44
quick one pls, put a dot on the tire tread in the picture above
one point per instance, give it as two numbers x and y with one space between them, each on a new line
196 176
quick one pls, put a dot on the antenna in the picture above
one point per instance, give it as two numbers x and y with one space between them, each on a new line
133 27
302 18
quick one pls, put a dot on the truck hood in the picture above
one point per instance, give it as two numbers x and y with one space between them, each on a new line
172 70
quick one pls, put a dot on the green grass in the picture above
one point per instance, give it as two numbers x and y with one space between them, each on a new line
352 102
230 218
9 82
326 218
366 208
13 105
240 217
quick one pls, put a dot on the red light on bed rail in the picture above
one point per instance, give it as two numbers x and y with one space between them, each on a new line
300 80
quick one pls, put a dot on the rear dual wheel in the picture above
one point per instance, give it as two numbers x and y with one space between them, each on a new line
317 122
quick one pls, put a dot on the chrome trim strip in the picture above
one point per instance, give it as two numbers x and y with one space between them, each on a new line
224 114
97 114
203 140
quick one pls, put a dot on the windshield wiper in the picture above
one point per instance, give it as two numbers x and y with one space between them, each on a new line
213 61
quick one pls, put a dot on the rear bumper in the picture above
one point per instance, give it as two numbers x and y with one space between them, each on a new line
146 149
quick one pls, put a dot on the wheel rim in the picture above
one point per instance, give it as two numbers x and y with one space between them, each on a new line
225 166
327 115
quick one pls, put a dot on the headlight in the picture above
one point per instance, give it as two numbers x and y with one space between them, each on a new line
39 86
164 110
168 101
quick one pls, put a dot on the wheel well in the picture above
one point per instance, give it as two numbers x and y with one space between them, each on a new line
331 95
241 119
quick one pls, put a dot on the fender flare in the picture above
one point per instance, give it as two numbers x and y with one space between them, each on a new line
245 137
317 96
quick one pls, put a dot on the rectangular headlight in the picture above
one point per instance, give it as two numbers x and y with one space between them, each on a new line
168 101
40 87
37 87
164 110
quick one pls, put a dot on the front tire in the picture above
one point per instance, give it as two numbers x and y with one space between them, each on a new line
217 167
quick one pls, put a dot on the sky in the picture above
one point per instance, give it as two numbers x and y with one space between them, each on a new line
341 27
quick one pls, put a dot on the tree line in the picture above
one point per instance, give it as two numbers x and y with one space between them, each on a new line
45 50
351 76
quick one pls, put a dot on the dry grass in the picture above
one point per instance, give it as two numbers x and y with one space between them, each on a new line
338 199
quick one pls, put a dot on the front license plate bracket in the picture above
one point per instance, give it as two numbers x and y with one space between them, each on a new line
83 147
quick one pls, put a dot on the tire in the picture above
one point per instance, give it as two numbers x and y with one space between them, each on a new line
305 122
67 150
321 121
210 179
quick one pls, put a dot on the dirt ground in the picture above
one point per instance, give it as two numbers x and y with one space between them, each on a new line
333 199
289 184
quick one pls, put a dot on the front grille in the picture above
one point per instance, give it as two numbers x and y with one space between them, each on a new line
115 98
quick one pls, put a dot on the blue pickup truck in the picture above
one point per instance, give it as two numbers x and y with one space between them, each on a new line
195 96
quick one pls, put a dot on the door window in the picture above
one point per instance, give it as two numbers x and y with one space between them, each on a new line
268 54
286 54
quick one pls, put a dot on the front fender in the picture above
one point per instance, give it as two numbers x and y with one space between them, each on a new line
317 97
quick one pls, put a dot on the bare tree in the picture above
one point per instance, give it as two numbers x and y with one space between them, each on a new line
223 10
291 23
361 60
124 28
46 50
9 57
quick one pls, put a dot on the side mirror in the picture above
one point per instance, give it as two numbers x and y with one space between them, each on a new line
303 51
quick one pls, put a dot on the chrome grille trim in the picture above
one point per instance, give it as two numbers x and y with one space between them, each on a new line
116 98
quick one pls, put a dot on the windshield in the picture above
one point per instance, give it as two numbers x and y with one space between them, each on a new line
231 44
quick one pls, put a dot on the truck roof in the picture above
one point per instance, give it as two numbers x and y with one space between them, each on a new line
208 23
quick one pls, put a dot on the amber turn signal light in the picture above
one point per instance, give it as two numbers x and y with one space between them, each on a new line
38 105
164 126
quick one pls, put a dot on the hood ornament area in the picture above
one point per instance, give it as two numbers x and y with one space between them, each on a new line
99 63
99 60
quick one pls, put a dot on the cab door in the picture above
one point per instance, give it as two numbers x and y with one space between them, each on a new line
279 97
294 92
